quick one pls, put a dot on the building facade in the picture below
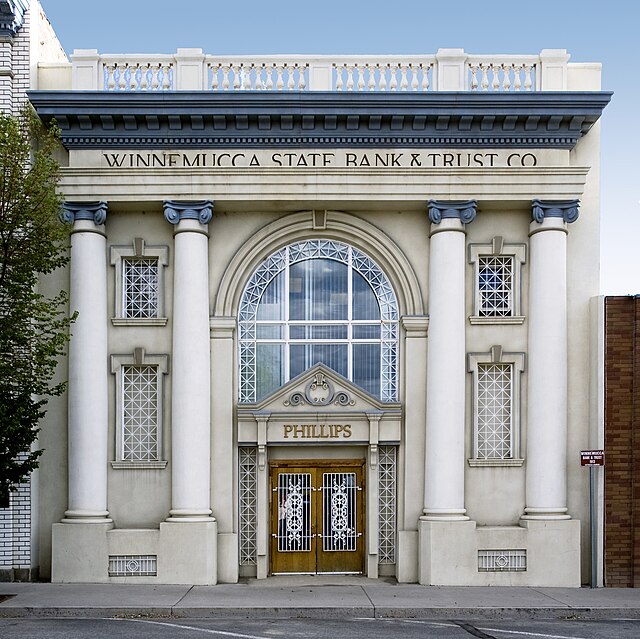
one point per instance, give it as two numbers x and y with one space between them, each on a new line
333 317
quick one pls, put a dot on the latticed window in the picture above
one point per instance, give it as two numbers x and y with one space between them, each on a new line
495 411
318 301
140 288
387 504
495 286
140 440
248 506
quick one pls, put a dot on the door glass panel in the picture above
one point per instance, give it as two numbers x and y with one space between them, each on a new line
294 512
339 512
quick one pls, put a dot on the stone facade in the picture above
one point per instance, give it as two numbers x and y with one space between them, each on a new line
323 326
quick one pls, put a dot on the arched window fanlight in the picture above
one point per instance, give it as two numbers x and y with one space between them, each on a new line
318 301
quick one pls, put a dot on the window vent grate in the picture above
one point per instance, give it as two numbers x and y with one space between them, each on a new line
502 560
133 565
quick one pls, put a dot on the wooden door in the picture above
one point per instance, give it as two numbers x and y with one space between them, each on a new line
317 517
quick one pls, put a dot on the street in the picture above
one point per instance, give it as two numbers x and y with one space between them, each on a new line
165 628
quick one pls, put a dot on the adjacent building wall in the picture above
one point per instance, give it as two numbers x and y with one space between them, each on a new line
622 441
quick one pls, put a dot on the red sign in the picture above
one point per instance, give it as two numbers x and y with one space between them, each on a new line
592 458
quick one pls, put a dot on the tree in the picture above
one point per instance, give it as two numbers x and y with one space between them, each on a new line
33 328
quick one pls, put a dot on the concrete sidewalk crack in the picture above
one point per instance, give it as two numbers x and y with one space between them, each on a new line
373 607
544 594
177 603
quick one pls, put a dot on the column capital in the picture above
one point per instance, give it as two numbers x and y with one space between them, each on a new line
439 210
566 209
175 211
92 211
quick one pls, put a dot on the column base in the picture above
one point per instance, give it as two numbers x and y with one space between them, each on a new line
535 554
545 514
79 552
86 517
190 516
444 514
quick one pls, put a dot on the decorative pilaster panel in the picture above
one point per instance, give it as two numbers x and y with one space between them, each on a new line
190 396
546 456
88 372
445 427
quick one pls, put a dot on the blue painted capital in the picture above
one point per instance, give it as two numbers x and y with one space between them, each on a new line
567 210
12 16
73 211
440 210
201 210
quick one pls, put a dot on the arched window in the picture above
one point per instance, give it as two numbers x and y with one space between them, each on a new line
318 301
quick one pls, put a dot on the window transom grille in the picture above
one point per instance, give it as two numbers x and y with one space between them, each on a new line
140 413
248 511
318 301
495 403
495 286
140 288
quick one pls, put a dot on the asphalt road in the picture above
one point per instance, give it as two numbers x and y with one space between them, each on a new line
315 629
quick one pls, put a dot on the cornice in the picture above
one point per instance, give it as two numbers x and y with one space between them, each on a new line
98 119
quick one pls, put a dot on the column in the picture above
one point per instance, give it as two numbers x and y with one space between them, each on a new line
546 483
190 396
445 428
88 372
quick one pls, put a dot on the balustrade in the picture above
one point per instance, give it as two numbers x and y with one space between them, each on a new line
191 69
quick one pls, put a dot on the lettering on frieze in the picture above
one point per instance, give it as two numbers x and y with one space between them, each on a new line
341 159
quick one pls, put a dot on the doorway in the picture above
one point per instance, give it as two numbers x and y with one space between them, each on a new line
317 516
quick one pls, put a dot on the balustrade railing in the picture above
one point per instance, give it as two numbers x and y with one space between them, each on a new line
192 70
491 73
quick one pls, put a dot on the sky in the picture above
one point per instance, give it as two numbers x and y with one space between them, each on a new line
590 30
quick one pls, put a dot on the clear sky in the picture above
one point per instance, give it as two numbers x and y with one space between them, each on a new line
590 30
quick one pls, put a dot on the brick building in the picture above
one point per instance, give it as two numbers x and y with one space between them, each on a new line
622 441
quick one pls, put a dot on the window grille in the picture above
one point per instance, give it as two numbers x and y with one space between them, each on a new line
318 301
248 507
494 406
495 286
133 565
387 504
140 441
502 560
140 288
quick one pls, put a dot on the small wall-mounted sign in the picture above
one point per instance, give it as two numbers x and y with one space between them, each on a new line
592 457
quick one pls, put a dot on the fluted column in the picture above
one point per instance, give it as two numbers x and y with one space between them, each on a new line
546 483
190 396
88 372
445 428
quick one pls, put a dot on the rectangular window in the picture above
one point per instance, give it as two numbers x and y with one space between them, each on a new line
140 440
494 406
497 275
495 286
139 409
140 288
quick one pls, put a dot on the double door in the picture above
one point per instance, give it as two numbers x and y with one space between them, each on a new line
317 515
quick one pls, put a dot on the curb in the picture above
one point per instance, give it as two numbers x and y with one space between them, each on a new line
327 612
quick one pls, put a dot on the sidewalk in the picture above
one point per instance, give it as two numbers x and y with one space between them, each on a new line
314 597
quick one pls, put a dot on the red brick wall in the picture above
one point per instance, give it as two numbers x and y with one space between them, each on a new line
622 442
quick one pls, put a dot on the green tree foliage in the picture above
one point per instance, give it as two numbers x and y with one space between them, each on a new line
33 328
